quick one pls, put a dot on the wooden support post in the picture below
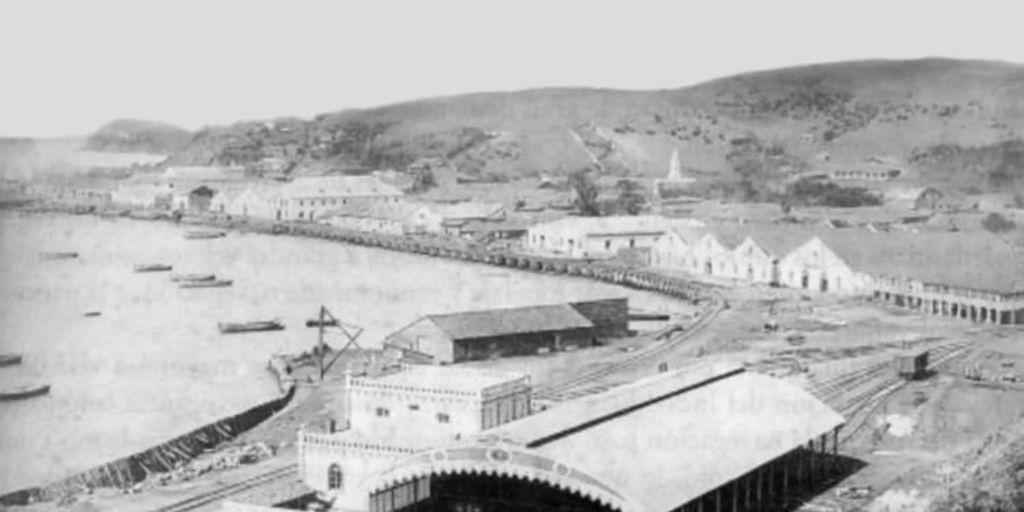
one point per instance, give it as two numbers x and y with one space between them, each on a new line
747 494
718 500
760 484
700 504
735 495
785 477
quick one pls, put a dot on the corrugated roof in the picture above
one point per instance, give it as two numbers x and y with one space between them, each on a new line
339 186
498 322
686 443
971 260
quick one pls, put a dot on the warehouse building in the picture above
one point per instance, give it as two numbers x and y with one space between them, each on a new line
487 334
709 437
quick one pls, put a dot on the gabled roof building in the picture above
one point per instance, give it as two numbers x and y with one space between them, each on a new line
703 438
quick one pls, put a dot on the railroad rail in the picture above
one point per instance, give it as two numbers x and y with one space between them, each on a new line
211 497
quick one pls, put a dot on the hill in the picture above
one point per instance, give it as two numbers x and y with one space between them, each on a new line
931 115
136 136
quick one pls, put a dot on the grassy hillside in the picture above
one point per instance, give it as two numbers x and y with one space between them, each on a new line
930 114
946 121
137 136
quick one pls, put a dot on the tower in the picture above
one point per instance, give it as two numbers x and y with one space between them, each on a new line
674 172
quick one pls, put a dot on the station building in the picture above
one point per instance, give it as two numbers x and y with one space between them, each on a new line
710 437
486 334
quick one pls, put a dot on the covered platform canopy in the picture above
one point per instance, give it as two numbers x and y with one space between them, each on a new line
651 446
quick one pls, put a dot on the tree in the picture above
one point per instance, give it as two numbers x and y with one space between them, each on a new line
585 189
996 223
423 179
630 199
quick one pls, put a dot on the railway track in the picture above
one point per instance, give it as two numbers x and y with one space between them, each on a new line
858 394
211 497
587 382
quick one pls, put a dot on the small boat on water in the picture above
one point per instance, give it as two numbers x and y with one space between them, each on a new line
10 359
91 313
214 283
316 322
204 235
24 391
255 326
193 278
47 256
153 267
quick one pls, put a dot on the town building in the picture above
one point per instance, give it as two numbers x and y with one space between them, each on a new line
708 436
863 171
399 218
974 276
599 237
254 199
306 199
395 415
457 217
487 334
144 192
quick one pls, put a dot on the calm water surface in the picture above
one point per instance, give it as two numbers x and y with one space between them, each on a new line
154 365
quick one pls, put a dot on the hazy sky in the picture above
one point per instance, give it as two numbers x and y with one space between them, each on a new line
69 66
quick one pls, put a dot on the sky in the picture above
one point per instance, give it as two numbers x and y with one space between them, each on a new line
68 66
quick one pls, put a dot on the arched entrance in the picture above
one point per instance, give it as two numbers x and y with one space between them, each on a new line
490 476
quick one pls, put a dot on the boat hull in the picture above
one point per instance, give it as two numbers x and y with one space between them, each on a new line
154 268
204 235
10 359
193 278
49 256
216 283
233 328
24 392
318 323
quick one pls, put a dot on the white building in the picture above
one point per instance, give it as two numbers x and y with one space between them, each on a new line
256 199
599 237
142 194
399 218
306 199
395 415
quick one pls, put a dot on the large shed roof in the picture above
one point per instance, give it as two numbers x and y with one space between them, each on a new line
697 441
500 322
971 260
684 434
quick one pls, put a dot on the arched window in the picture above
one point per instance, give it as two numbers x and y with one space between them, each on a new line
334 477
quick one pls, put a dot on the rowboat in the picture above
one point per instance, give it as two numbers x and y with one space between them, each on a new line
215 283
10 359
91 313
153 267
192 278
47 256
24 391
203 235
316 322
255 326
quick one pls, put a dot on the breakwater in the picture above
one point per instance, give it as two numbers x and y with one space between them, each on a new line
128 471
